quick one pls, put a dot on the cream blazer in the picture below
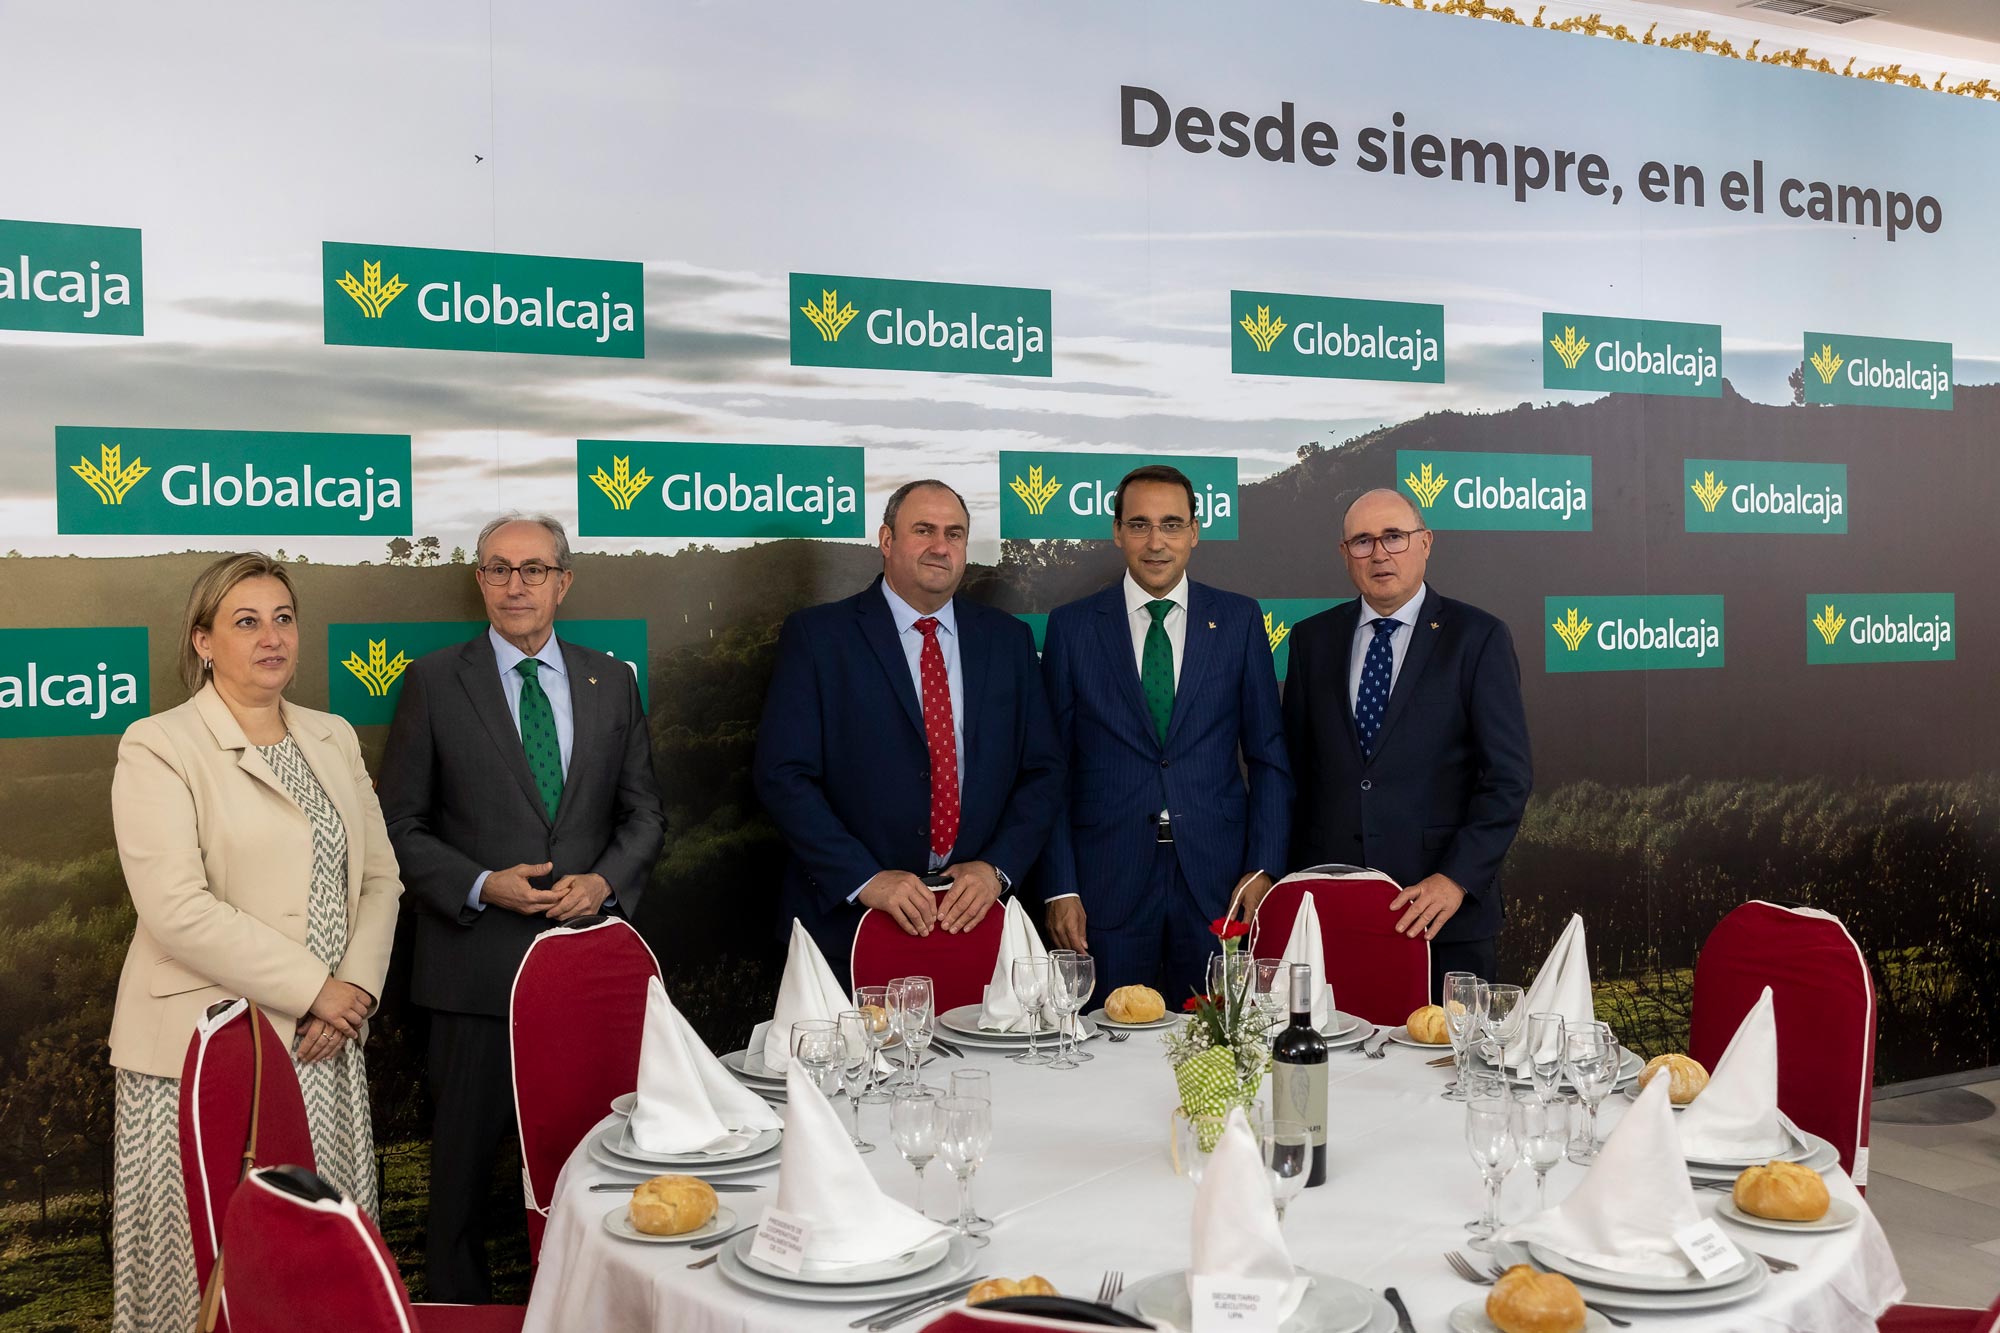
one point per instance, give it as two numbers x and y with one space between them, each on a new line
218 861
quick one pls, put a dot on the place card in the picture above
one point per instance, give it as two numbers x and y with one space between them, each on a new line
781 1240
1711 1252
1237 1304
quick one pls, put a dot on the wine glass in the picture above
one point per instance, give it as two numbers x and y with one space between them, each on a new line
913 1129
974 1083
1031 986
874 1002
1462 994
965 1132
857 1058
1544 1135
1288 1155
1229 976
817 1046
1500 1022
1492 1134
1590 1059
1081 978
913 1012
1268 988
1545 1054
1064 995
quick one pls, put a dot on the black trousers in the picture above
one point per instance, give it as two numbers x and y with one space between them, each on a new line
1479 957
472 1090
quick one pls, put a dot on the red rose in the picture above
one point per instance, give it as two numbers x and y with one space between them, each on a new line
1193 1002
1225 929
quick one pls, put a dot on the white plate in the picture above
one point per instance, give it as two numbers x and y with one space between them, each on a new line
1354 1037
619 1223
1339 1024
1401 1036
1823 1158
919 1260
750 1067
1163 1021
957 1263
964 1020
1675 1301
1471 1318
1003 1041
1629 1065
1632 1091
619 1141
1330 1305
1796 1150
1579 1271
623 1103
599 1152
1840 1215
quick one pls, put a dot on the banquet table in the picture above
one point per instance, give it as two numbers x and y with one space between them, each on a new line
1080 1180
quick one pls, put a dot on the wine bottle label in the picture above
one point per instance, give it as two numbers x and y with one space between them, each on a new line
1298 1094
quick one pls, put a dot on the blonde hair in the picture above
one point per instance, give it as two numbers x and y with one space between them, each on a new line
205 598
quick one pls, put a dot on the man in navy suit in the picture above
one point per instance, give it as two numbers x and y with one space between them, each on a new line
906 734
1408 738
1158 684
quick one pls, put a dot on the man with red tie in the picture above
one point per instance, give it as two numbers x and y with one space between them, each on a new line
906 735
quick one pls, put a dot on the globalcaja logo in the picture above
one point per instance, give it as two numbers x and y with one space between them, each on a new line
1881 627
1636 633
73 682
1878 372
644 488
132 479
1737 495
1631 355
1281 616
1329 337
891 324
481 301
366 662
63 278
1498 492
1061 494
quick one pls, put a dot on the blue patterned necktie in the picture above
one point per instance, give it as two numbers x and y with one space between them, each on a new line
1375 677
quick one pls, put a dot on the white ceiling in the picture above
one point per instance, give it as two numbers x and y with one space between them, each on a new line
1942 27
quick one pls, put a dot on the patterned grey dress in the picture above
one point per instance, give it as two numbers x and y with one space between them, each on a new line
152 1282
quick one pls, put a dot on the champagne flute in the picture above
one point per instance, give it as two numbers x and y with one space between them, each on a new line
1500 1022
1082 979
874 1002
1462 994
858 1057
1064 967
1269 989
965 1132
913 1129
1590 1059
1544 1135
1031 985
974 1083
1229 977
1288 1155
1545 1054
1492 1134
913 1006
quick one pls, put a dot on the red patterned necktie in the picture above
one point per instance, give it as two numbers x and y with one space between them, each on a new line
943 745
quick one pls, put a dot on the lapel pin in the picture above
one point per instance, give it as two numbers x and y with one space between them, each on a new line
1434 625
593 679
1211 624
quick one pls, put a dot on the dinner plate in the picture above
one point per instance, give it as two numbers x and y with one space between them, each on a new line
1339 1024
1675 1301
919 1260
623 1103
621 1144
1401 1036
598 1150
1840 1215
1579 1271
619 1223
1330 1305
957 1263
965 1020
1796 1150
1353 1037
1823 1158
1629 1065
1163 1021
1471 1318
1004 1041
1632 1091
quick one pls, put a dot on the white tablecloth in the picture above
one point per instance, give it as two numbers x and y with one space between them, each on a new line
1079 1181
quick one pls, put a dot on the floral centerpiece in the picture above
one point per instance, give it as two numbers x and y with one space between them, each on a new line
1220 1055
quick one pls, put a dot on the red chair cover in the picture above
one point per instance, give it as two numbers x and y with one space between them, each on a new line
215 1117
1825 1004
1939 1319
575 1017
959 966
1376 974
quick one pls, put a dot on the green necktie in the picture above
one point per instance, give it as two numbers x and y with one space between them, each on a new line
538 735
1156 668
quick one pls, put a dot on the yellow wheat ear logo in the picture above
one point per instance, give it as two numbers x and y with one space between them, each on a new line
1571 630
1828 623
1570 348
1826 363
1427 486
1709 491
623 486
1034 492
829 316
1277 633
1263 330
371 293
380 671
106 476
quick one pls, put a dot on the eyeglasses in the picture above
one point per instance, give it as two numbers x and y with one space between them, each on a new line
534 573
1393 542
1168 528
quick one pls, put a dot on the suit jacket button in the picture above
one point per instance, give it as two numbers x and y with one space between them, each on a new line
1367 784
1164 764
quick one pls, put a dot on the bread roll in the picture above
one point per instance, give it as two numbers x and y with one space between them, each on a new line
994 1288
1135 1004
877 1016
672 1205
1782 1191
1427 1025
1686 1076
1525 1301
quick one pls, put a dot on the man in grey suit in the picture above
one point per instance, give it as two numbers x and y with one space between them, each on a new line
519 792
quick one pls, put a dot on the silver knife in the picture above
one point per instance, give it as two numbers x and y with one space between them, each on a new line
1403 1324
945 1046
950 1291
936 1303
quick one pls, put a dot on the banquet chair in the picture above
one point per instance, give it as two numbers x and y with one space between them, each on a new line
575 1018
972 1319
1376 974
959 966
1940 1319
349 1284
1825 1003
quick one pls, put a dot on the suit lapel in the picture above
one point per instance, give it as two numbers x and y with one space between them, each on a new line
228 735
585 695
1423 638
974 667
1115 634
479 673
1198 649
1347 618
878 627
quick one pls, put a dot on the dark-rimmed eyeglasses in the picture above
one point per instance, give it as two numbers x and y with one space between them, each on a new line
498 573
1393 542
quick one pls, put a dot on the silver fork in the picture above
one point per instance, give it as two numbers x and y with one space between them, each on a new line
1107 1290
1118 1036
1464 1269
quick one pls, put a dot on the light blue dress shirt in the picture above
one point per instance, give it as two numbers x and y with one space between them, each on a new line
554 677
1399 642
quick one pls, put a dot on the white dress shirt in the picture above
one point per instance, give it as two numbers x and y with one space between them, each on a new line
1139 620
1399 642
553 676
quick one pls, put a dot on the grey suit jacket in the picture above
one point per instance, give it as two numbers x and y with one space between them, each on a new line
458 798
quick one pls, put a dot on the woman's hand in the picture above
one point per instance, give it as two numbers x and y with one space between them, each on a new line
343 1006
317 1040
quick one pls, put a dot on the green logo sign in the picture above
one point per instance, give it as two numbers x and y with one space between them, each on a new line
1497 492
1880 627
1061 494
1038 625
1877 372
1282 615
231 481
1632 633
1275 333
479 301
1631 355
888 324
72 682
1734 495
647 489
57 278
365 662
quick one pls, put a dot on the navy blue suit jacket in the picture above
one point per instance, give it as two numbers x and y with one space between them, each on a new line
1449 779
844 771
1121 775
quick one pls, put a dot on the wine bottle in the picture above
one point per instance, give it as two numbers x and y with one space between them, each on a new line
1298 1071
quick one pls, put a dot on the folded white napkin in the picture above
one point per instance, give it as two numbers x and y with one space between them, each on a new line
1235 1220
1304 947
821 1179
1737 1113
807 991
687 1101
1561 987
1001 1012
1637 1195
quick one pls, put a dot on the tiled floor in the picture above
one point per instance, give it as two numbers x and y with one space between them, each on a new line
1936 1190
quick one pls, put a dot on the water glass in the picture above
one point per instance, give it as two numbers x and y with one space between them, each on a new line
965 1132
1031 986
1492 1134
1461 995
1195 1137
1288 1155
817 1046
913 1014
1545 1054
1269 990
874 1002
971 1083
1590 1059
913 1129
1544 1137
857 1057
